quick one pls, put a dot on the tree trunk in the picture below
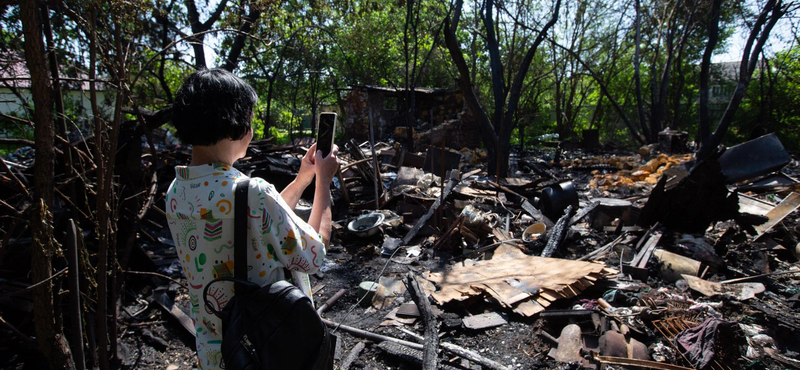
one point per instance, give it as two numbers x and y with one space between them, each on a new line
50 338
408 80
636 75
199 28
704 126
198 47
746 69
61 122
239 40
102 204
496 66
121 98
465 84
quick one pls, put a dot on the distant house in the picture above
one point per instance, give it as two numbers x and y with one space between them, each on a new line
724 77
15 82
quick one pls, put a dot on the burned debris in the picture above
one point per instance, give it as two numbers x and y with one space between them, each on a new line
605 259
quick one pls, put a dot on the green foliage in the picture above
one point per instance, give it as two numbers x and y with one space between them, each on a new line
302 56
281 136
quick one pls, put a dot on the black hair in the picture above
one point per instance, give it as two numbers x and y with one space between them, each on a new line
211 105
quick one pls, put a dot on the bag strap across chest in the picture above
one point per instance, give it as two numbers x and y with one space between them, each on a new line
240 210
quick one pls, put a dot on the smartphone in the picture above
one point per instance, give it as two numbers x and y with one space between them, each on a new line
327 126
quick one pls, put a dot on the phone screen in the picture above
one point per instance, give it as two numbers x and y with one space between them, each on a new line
327 125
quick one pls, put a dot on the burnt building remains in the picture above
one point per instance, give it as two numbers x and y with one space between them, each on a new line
440 114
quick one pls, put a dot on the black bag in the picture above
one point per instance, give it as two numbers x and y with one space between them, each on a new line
270 327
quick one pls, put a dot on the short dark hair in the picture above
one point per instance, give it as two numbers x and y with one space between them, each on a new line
211 105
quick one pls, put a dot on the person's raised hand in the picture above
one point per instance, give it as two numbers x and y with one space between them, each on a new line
326 167
307 166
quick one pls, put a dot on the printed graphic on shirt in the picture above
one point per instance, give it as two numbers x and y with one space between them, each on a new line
266 222
212 230
223 269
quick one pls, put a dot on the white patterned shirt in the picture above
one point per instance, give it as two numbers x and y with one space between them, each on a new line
200 215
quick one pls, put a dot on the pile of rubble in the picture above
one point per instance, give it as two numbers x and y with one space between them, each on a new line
650 260
645 260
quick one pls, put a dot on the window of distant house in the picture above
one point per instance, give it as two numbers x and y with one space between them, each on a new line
390 103
715 91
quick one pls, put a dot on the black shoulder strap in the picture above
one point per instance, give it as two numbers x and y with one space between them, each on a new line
240 232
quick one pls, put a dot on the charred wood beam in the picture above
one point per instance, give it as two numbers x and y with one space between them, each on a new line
463 353
558 233
430 358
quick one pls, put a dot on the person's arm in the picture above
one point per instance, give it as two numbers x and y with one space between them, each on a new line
320 218
292 193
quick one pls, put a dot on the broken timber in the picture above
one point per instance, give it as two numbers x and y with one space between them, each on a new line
647 245
536 214
463 353
352 356
438 203
558 233
430 357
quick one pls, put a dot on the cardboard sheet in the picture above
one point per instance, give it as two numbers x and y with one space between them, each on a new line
527 284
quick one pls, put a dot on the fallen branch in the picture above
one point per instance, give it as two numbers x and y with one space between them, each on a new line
370 335
16 331
464 353
13 176
12 209
17 119
22 142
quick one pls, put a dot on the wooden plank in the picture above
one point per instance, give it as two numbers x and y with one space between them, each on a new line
543 302
529 308
549 295
777 214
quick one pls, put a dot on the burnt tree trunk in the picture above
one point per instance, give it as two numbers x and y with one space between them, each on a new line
49 336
